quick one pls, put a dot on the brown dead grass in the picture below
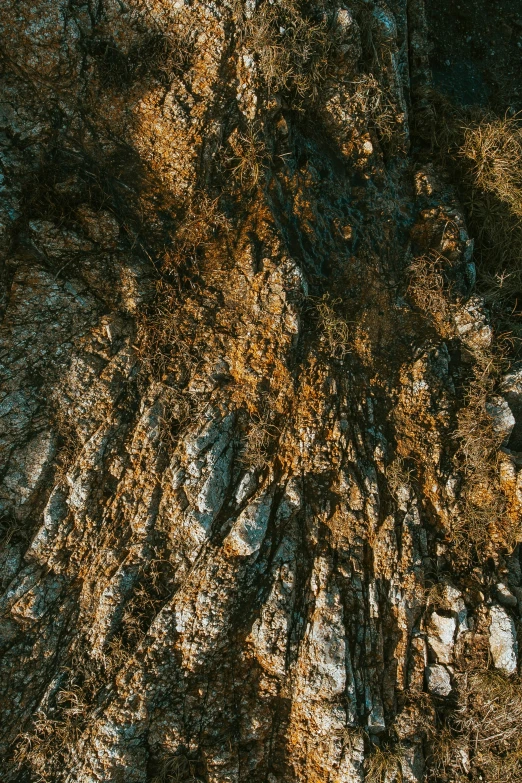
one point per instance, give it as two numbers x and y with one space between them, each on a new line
429 290
483 739
333 327
295 50
385 766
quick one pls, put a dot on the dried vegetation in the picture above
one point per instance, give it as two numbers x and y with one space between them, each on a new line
385 766
333 327
296 46
485 154
482 739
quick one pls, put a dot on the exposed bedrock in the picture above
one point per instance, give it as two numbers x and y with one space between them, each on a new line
231 482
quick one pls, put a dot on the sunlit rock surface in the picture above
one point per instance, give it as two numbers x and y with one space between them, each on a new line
230 475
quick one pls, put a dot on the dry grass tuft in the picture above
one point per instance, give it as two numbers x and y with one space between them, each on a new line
176 769
295 51
58 726
491 710
448 757
259 442
250 157
484 738
371 100
483 501
428 287
333 326
398 476
494 149
385 766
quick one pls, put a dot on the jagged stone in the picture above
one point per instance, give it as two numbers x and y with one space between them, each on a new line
503 640
438 680
441 632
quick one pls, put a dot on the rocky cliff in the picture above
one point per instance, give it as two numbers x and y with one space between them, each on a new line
261 484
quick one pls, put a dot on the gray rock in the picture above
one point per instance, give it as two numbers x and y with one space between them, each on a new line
505 596
501 416
248 531
441 636
438 680
503 640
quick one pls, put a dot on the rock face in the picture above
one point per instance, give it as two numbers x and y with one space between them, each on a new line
230 473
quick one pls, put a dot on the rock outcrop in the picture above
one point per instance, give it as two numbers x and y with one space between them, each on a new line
238 335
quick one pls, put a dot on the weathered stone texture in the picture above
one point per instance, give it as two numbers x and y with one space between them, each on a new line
223 506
